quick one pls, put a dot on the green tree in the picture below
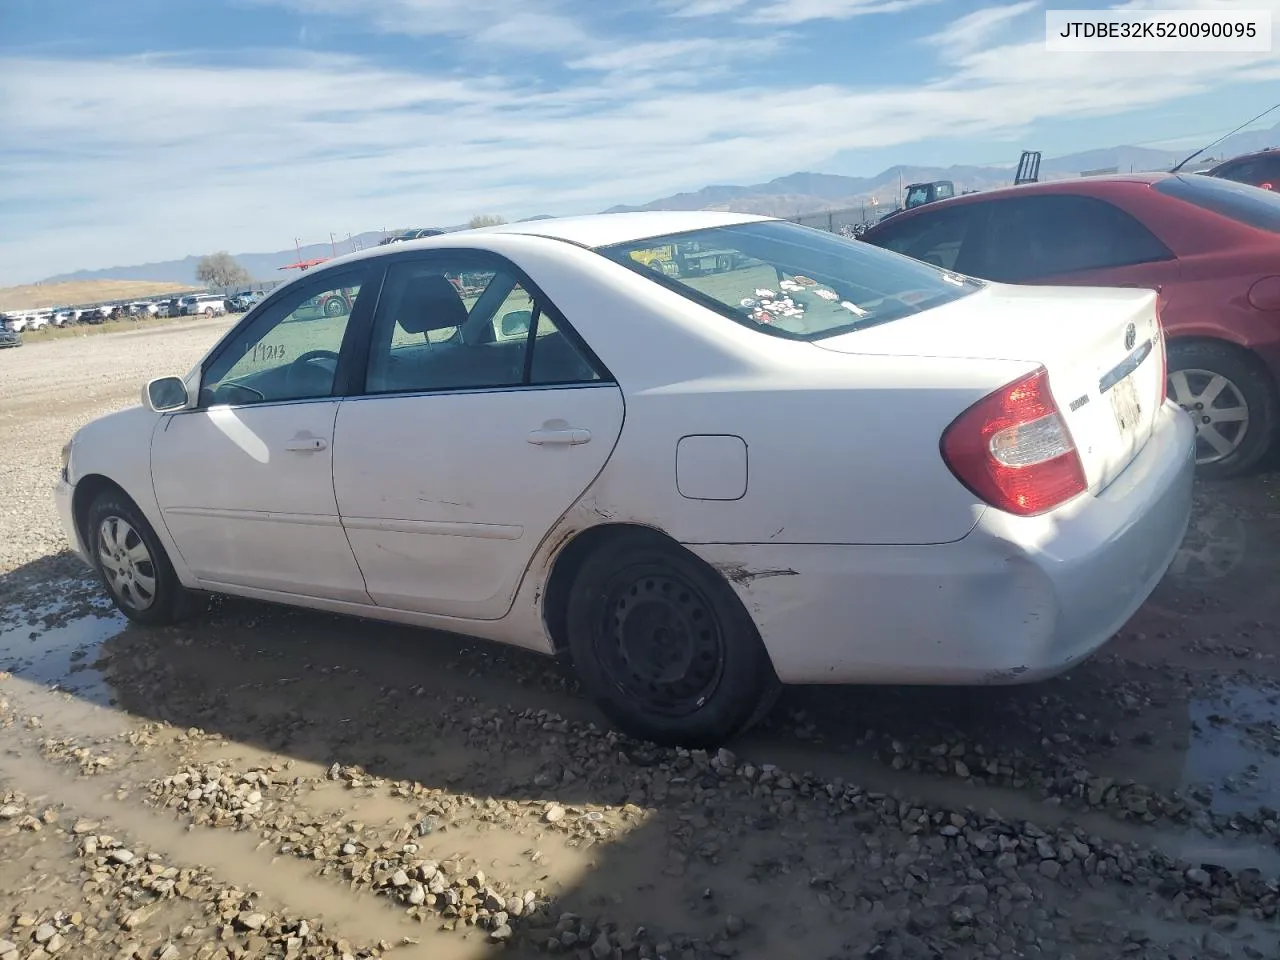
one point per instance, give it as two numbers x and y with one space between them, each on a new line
221 270
486 220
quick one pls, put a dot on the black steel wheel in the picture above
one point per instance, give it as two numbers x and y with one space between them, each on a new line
664 645
659 644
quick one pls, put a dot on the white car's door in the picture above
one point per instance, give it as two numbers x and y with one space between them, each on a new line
245 480
481 420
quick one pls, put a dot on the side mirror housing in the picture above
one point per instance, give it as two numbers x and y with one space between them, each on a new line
165 394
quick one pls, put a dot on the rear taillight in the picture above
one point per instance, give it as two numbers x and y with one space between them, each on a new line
1013 449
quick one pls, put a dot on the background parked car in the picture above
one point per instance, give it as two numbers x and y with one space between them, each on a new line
1210 247
206 305
1261 169
241 302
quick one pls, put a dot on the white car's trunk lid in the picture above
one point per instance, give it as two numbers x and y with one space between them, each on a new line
1101 347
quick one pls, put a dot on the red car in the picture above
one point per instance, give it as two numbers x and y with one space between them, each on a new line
1209 246
1261 169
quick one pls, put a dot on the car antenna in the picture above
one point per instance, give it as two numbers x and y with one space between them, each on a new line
1223 137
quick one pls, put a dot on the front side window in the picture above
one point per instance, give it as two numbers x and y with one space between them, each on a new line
1236 201
788 280
452 324
290 349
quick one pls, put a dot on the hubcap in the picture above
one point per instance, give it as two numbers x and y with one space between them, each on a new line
1217 406
126 563
661 646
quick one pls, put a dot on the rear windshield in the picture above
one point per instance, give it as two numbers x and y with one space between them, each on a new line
1245 204
791 281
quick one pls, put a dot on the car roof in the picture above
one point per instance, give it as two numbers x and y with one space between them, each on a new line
606 229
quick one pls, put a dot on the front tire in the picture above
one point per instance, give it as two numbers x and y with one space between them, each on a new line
664 646
1232 401
133 564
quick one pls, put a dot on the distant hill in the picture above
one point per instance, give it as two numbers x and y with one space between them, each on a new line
789 196
800 193
261 266
53 293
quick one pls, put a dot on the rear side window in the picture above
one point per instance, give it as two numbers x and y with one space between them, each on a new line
1028 238
1235 201
936 237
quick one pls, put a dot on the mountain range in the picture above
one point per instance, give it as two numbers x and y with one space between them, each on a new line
788 196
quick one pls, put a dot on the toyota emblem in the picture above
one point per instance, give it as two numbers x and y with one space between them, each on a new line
1130 336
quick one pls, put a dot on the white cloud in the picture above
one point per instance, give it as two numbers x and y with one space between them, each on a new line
690 52
802 11
974 29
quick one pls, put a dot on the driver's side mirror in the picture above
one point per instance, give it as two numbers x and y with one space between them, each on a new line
516 323
164 394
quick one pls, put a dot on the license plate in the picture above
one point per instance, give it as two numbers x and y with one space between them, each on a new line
1125 405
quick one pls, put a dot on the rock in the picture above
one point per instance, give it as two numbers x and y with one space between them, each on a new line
251 921
1198 877
44 933
56 943
121 856
733 925
1216 945
7 947
554 814
400 879
1050 869
10 811
170 952
602 948
515 906
500 933
418 895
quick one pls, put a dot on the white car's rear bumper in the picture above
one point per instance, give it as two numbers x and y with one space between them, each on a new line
1018 599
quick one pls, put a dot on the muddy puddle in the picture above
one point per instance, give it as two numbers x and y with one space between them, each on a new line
55 647
1233 758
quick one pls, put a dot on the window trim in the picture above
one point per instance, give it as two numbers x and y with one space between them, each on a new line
993 204
366 270
487 260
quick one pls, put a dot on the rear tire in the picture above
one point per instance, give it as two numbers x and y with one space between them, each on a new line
1226 445
133 564
664 646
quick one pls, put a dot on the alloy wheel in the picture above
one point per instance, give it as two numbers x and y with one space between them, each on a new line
127 565
1217 406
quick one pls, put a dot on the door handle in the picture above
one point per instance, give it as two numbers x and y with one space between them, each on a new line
569 436
306 444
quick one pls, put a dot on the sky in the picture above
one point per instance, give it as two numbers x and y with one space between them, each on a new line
142 130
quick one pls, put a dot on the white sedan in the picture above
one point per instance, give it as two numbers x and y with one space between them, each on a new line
702 454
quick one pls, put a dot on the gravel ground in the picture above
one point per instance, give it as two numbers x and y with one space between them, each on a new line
265 782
